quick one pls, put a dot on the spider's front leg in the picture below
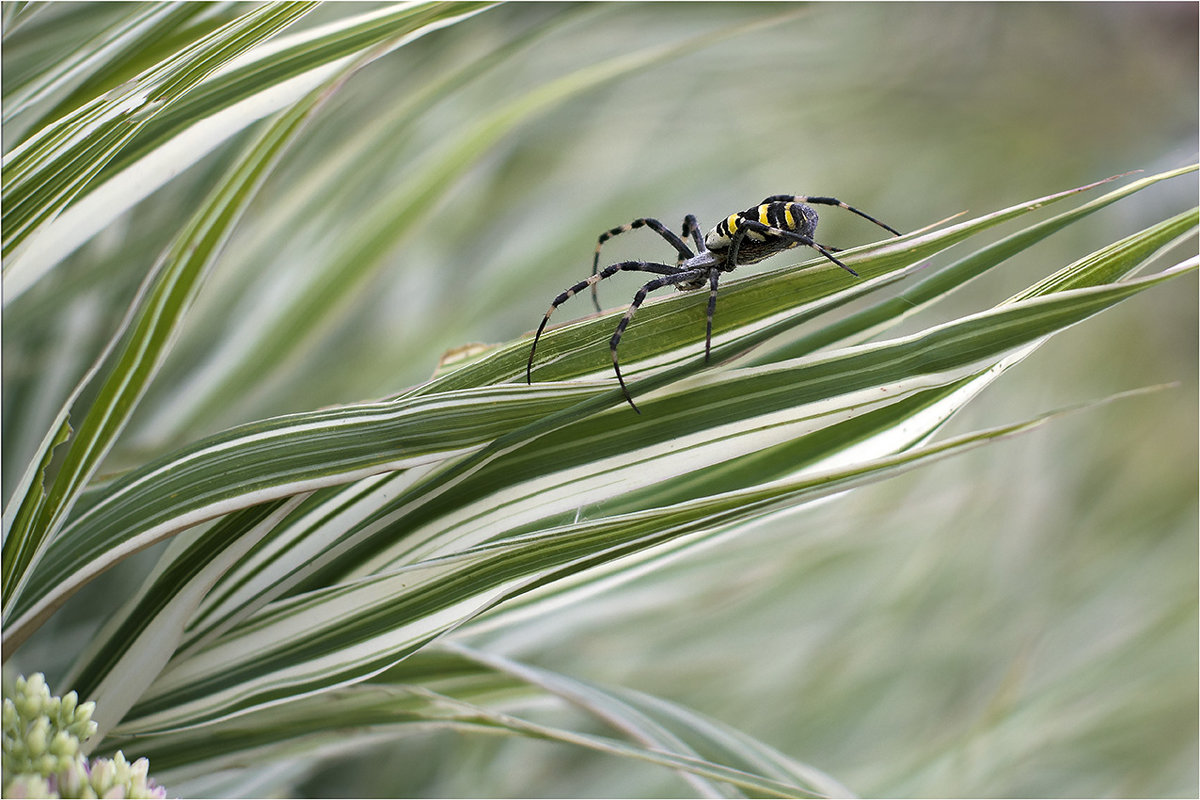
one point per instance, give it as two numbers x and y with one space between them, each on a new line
746 225
828 201
607 272
692 228
652 224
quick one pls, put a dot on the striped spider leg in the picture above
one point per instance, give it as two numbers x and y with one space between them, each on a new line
652 224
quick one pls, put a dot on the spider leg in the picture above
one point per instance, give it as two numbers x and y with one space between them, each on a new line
681 276
607 272
652 224
692 228
748 225
827 201
713 276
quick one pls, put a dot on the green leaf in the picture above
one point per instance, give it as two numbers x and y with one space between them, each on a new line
454 687
347 577
215 108
939 285
432 581
768 420
141 344
115 52
407 209
664 334
44 173
349 631
665 727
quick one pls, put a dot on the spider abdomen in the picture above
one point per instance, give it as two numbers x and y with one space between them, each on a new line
756 246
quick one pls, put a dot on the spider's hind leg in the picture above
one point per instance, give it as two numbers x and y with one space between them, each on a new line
652 224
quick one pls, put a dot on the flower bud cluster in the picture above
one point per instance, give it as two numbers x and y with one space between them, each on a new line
41 753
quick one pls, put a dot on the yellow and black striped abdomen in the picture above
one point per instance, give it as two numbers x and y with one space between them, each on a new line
756 244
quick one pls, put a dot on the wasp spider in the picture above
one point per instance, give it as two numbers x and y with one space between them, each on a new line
778 223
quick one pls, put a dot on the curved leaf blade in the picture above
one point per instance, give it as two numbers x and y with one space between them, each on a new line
46 172
373 621
139 347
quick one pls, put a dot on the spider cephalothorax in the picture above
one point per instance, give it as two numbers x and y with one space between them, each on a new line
779 222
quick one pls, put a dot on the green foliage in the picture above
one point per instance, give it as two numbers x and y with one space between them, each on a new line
226 226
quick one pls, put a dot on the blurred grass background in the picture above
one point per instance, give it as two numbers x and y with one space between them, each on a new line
1021 621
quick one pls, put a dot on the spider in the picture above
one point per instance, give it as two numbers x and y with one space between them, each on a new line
779 222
